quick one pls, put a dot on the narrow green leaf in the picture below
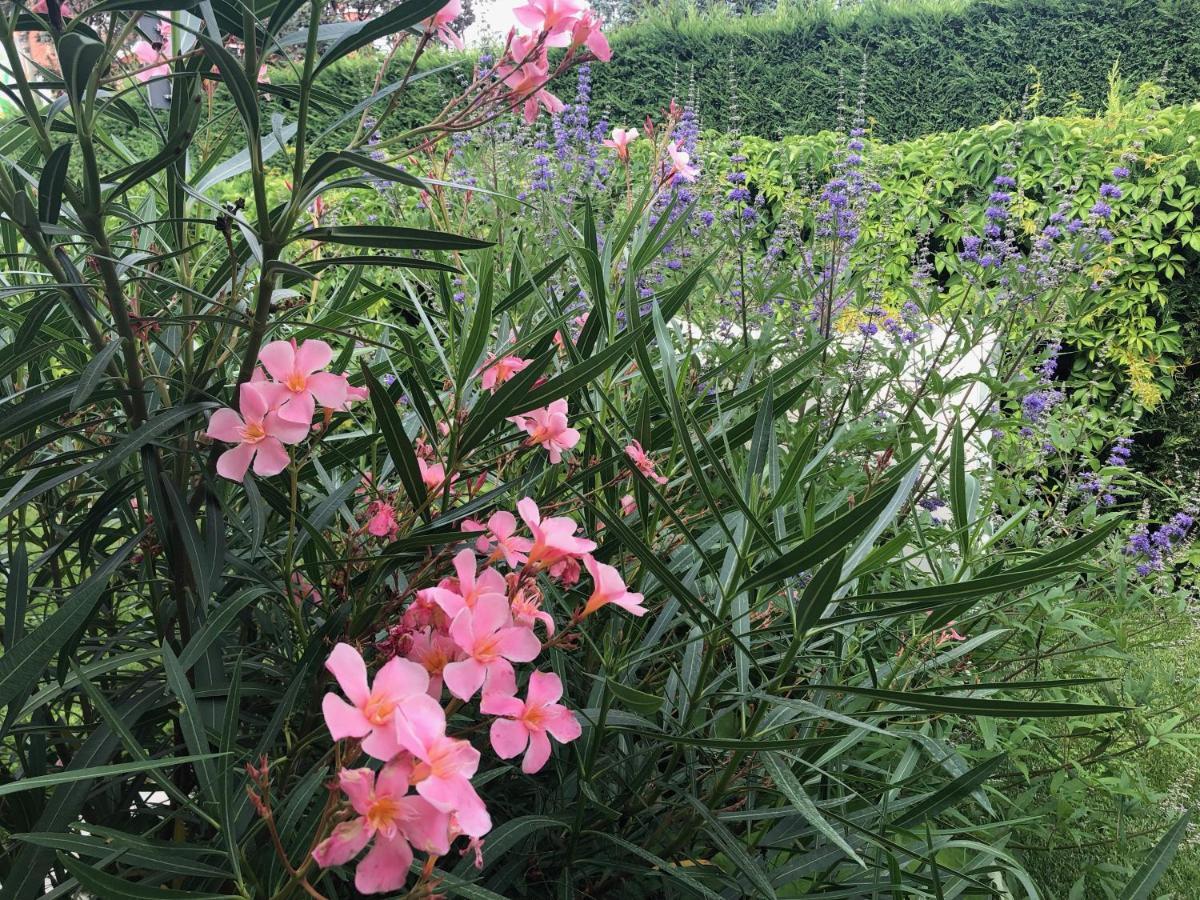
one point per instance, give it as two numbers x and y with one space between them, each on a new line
1157 862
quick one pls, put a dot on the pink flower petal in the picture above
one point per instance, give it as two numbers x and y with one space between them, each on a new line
271 458
544 688
232 464
278 359
518 644
359 787
252 401
342 719
330 390
563 724
400 678
312 356
385 867
286 432
509 737
343 843
225 425
347 666
464 678
299 408
382 743
537 754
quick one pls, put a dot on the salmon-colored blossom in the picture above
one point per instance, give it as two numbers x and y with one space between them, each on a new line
620 141
497 371
548 427
501 538
297 369
553 537
527 725
586 32
609 587
433 650
382 522
444 766
644 463
398 822
490 642
681 167
259 432
372 711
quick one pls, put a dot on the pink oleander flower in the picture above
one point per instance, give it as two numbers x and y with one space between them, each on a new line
497 371
680 163
444 766
302 590
548 427
491 643
431 475
433 650
353 394
383 522
259 433
949 633
528 82
397 821
372 711
145 54
628 505
586 32
454 595
553 537
441 21
621 139
527 609
609 587
528 725
566 570
298 369
644 463
501 538
554 18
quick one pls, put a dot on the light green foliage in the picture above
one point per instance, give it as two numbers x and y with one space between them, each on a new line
936 188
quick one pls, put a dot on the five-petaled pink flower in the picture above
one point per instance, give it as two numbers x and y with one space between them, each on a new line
298 371
609 587
445 765
372 711
620 141
548 427
259 433
681 167
553 537
397 820
497 371
644 463
433 650
501 538
527 725
441 21
491 643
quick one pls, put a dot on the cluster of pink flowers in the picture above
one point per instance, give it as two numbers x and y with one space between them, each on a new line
550 23
460 638
277 410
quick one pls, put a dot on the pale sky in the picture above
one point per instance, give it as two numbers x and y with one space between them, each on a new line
492 17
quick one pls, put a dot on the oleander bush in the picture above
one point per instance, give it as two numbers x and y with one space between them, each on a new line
504 506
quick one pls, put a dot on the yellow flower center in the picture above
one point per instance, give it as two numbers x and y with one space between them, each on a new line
253 432
378 710
296 382
383 814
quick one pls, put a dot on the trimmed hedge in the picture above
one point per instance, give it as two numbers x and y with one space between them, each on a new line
930 66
